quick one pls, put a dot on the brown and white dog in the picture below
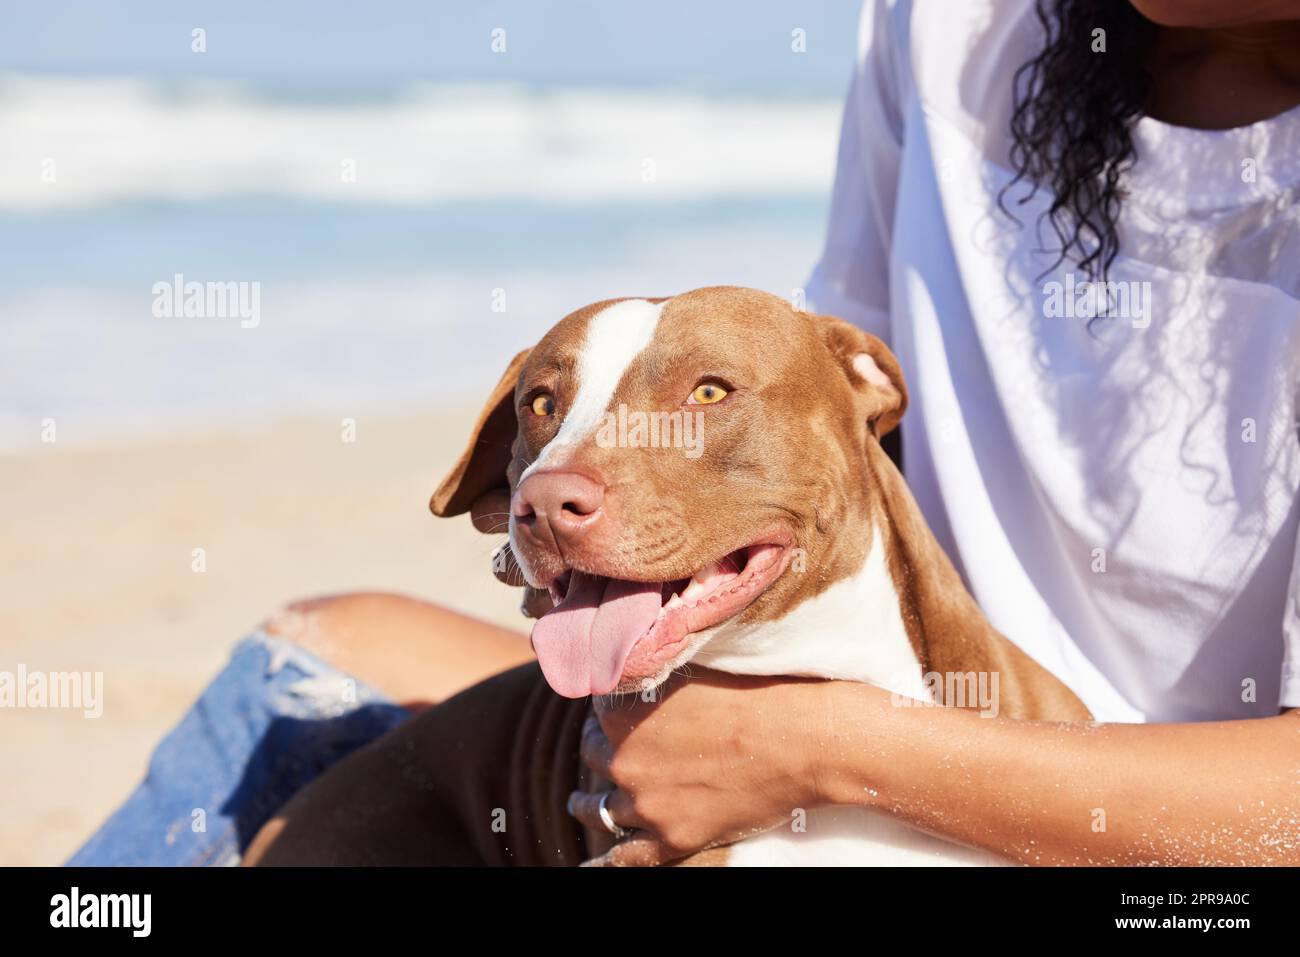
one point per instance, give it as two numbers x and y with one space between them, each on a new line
700 478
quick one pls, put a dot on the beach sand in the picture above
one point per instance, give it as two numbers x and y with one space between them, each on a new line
97 575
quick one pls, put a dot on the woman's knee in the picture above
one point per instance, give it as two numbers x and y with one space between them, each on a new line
327 620
415 651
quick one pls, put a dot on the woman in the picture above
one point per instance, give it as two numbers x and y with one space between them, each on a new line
1078 229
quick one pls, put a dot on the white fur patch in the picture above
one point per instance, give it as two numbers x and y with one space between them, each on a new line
866 367
853 837
852 631
615 336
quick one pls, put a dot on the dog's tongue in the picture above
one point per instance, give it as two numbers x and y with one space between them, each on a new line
583 643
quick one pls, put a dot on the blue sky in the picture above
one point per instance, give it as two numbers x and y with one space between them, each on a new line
333 45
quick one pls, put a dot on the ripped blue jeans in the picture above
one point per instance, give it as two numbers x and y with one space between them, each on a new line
272 720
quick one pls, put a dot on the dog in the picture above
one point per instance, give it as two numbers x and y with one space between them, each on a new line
700 479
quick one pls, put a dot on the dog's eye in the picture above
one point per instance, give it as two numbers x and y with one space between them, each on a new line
544 404
707 393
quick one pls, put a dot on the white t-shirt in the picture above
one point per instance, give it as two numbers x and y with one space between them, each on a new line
1120 495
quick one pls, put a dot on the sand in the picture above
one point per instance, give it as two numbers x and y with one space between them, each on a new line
96 575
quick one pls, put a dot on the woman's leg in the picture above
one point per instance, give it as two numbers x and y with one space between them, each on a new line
319 680
415 652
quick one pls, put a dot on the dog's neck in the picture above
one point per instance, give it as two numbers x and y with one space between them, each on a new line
902 611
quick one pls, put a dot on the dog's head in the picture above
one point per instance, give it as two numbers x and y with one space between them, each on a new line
668 461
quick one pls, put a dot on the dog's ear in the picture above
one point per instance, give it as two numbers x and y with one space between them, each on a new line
872 369
482 466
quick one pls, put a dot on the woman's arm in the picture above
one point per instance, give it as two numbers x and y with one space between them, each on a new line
705 766
1074 793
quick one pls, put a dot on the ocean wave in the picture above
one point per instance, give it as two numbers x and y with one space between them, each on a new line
93 141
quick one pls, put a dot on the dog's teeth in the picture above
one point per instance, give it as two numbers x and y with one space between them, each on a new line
674 602
701 579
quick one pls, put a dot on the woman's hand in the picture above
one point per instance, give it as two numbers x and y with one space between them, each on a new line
716 758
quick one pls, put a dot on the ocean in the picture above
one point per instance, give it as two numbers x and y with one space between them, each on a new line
402 244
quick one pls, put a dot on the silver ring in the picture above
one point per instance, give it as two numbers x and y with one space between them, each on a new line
608 819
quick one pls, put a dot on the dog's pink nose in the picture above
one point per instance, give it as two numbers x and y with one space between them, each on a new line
559 506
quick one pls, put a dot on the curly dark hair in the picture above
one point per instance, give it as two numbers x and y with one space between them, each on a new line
1074 110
